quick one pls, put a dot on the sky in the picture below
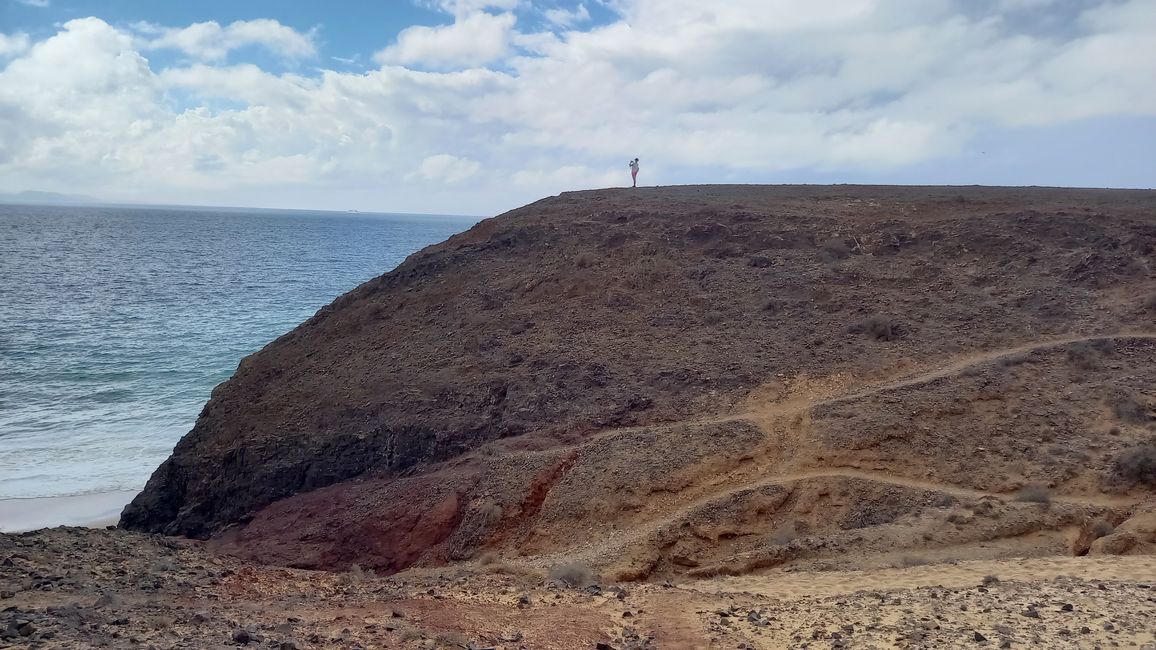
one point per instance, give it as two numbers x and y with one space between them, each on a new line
479 106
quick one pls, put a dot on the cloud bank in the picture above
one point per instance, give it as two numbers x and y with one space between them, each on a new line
509 101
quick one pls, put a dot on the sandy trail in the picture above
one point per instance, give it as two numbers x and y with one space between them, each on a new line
785 424
789 584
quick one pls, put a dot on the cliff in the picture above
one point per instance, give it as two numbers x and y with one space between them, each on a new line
687 371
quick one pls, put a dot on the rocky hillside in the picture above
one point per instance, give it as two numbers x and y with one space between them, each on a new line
702 380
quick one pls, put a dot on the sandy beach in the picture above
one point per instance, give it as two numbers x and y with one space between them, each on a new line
91 510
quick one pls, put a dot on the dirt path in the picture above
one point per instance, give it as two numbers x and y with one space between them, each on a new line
785 424
954 490
787 584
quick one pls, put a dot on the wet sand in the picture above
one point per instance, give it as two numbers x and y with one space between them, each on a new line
91 510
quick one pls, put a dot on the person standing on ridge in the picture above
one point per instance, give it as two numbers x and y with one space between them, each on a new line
634 172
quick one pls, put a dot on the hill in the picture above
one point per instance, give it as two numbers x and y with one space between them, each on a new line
693 381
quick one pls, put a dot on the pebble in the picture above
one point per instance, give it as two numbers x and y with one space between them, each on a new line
242 636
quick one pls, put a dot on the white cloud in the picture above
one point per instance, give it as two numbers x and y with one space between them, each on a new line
472 40
209 41
34 3
492 116
465 7
445 168
567 17
13 44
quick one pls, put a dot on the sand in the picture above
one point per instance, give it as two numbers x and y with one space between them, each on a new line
90 510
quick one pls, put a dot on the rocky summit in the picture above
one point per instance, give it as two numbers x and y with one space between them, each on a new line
702 380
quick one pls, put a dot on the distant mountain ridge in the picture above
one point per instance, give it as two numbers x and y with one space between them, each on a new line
36 196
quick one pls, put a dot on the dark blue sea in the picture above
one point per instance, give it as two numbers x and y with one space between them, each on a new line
117 322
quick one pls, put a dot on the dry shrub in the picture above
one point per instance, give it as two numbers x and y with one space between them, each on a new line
1127 407
1102 528
1082 356
452 640
1138 465
490 511
584 260
834 250
410 634
990 580
1016 359
784 534
574 575
1034 493
879 327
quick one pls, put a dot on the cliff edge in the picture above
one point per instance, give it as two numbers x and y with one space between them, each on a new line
825 359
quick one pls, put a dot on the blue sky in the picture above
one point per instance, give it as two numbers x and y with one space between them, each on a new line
476 106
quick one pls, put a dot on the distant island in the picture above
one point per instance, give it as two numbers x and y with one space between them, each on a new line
35 196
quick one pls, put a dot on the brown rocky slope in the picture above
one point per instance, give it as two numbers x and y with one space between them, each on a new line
701 380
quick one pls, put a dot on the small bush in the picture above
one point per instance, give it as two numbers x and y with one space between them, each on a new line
1082 356
1034 493
1102 528
1127 407
784 535
990 580
584 260
878 327
1149 303
490 511
574 575
1017 359
1138 465
834 250
451 640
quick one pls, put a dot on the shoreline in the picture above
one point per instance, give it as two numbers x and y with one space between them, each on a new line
96 510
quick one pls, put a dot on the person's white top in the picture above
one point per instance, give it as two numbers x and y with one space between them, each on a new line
634 165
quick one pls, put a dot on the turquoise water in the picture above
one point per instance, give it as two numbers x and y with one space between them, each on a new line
116 323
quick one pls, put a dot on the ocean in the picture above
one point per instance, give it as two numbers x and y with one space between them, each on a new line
117 322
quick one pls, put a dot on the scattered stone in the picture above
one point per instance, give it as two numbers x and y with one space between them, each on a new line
25 628
1066 607
1030 612
524 600
979 637
288 645
5 594
242 636
200 617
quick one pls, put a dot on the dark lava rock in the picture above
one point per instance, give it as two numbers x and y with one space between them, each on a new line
242 636
979 637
